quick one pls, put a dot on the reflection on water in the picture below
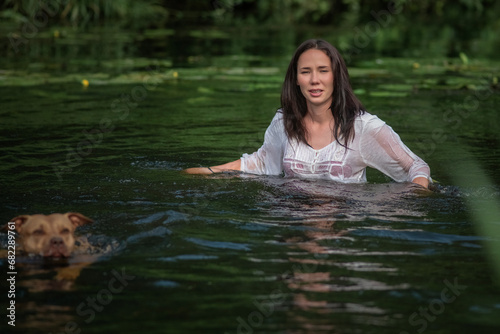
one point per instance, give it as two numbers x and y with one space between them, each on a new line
314 280
348 201
267 254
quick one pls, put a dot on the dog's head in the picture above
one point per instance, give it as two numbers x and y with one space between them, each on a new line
49 235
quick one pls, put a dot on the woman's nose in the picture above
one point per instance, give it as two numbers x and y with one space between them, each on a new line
314 77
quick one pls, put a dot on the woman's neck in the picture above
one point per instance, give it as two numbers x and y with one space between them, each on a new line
319 114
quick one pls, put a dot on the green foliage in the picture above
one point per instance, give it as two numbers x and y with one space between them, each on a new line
147 13
81 13
451 27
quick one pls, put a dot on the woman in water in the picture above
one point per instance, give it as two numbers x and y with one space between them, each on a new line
322 130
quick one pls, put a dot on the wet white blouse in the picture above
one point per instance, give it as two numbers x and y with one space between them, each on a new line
375 145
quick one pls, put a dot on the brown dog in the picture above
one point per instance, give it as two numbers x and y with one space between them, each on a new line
52 237
49 236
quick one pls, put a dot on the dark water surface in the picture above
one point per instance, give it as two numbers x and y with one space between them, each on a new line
236 253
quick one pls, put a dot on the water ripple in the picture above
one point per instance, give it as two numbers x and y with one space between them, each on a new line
159 231
415 235
219 244
188 257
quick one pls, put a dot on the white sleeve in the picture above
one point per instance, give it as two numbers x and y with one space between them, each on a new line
268 160
382 148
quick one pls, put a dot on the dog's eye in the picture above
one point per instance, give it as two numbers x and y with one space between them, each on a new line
38 232
65 231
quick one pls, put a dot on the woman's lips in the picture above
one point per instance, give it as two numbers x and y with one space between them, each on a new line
315 92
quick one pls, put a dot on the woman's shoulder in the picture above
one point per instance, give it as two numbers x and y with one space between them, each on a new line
278 118
277 126
364 119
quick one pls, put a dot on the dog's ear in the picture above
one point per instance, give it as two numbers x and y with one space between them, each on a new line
78 219
19 220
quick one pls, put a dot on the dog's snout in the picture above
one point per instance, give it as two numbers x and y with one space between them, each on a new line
56 241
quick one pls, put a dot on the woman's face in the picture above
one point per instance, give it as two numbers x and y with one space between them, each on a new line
315 78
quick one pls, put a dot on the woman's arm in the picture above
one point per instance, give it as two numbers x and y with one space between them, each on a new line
233 165
383 149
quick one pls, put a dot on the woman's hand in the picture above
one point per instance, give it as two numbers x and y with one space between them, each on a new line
423 181
230 166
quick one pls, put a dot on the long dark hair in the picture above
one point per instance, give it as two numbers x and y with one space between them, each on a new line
345 105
